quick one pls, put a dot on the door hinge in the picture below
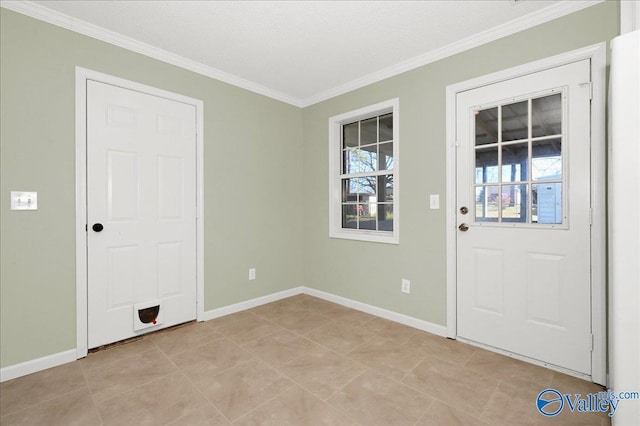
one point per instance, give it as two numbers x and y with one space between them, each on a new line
590 217
592 342
590 86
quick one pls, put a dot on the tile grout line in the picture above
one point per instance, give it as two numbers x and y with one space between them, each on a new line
134 388
204 395
265 402
252 357
338 409
296 383
366 370
197 388
95 403
422 416
46 401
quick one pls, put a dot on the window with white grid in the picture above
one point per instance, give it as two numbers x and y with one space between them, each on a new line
363 148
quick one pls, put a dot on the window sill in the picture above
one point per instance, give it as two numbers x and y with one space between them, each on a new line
367 236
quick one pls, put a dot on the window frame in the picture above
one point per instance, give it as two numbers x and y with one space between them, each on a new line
335 173
530 182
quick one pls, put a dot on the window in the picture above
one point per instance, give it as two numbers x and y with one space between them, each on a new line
363 174
519 162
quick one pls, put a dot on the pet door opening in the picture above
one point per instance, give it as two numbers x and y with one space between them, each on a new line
147 314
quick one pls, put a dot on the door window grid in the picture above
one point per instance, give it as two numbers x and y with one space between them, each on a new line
519 162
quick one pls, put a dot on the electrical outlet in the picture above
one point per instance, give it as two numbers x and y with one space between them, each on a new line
252 273
406 286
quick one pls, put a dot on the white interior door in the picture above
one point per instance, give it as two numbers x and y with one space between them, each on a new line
141 213
523 199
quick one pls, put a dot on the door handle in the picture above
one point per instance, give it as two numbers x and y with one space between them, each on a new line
463 227
97 227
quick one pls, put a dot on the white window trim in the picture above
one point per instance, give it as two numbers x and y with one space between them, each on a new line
335 199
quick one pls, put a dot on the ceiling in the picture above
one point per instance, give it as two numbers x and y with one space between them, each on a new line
300 52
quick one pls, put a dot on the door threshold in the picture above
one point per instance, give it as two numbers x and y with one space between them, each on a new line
526 359
140 337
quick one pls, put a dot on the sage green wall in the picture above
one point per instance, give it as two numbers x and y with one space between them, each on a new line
252 153
371 272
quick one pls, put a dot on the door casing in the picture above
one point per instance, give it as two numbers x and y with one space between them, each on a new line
82 75
597 54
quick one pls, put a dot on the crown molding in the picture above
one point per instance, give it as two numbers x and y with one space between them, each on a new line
36 11
547 14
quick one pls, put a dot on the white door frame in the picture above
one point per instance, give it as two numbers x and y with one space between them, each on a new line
629 16
597 54
82 75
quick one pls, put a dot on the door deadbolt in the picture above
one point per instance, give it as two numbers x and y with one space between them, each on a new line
463 227
464 210
97 227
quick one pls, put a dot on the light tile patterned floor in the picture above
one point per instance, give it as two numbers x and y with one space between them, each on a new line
299 361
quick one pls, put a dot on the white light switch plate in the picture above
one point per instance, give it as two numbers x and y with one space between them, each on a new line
434 201
406 286
22 200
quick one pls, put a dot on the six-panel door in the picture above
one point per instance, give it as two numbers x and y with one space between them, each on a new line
141 184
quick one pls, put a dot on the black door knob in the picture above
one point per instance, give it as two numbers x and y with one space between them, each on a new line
97 227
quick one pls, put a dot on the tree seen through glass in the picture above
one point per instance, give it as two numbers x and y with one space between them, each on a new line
367 174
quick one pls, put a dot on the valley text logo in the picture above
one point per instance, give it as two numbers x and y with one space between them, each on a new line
550 402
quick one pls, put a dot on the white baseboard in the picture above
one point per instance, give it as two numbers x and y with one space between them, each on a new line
39 364
427 326
35 365
248 304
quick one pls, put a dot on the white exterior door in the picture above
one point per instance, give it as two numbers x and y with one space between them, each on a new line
523 210
141 213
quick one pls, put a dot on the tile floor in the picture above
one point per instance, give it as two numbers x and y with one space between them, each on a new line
299 361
